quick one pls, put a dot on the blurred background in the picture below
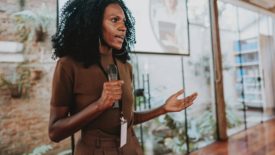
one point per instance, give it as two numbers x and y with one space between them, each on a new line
161 67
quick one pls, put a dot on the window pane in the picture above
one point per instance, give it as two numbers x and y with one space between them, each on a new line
161 75
198 77
246 55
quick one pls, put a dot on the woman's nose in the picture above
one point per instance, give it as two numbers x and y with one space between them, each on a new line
122 27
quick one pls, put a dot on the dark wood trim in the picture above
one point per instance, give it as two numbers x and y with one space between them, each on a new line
219 97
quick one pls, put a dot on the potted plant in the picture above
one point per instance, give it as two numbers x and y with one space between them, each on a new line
33 26
19 84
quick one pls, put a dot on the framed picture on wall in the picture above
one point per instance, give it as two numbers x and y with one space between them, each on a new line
161 26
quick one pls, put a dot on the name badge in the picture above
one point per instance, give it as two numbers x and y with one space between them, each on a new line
123 132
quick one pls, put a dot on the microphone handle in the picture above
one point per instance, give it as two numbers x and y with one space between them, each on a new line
116 104
113 75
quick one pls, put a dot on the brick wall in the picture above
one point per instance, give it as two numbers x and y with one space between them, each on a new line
24 121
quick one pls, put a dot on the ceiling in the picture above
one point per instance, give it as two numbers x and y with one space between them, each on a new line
268 5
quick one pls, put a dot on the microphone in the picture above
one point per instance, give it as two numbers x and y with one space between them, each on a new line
113 75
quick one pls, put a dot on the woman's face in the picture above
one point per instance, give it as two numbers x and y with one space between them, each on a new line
113 26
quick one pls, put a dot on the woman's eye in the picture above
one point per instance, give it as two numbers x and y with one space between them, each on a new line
114 20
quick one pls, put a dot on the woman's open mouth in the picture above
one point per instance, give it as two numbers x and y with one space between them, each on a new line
120 37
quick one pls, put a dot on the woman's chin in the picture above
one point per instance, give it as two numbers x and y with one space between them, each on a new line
117 47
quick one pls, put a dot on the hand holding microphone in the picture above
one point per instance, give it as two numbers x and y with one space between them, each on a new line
113 76
112 89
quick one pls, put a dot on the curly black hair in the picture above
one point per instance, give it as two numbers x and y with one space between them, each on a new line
80 28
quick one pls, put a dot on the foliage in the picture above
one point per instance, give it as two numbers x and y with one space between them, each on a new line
33 26
200 128
232 118
201 67
18 83
40 150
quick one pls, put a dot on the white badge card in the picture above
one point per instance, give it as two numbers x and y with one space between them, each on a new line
123 132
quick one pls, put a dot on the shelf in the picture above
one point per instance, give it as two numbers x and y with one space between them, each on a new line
250 101
248 75
248 81
247 64
247 52
249 84
253 93
251 76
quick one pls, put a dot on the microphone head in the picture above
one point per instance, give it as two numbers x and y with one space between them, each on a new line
112 72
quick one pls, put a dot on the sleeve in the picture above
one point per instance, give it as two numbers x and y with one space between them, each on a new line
62 86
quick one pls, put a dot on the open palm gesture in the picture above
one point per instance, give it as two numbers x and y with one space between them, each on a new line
173 104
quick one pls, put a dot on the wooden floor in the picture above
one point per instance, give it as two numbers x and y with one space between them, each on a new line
258 140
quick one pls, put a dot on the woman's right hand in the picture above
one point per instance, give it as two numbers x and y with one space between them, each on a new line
112 91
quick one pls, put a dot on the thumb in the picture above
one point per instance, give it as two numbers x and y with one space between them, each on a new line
180 92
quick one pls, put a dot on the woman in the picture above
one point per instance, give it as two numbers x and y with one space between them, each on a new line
93 34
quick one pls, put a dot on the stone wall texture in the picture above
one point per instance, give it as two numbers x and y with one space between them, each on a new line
24 120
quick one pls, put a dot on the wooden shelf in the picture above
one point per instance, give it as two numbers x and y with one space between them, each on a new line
253 93
247 64
247 52
251 76
251 101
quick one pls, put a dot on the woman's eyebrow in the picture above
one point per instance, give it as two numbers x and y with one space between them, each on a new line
114 15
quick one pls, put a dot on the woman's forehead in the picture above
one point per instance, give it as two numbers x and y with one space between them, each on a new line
114 10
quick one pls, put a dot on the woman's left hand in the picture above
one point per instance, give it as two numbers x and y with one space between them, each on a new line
173 104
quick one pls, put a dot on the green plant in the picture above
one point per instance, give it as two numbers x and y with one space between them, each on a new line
201 128
232 118
170 137
33 26
18 84
201 67
40 150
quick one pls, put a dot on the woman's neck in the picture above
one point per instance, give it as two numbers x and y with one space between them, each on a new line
105 50
106 56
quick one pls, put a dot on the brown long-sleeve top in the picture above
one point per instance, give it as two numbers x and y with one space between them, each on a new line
76 87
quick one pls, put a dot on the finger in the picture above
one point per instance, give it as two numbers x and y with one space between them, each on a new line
192 99
118 92
112 87
113 93
194 95
117 97
109 100
189 101
187 105
115 89
189 98
114 99
116 83
180 92
121 82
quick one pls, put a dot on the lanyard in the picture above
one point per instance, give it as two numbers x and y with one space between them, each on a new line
106 75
